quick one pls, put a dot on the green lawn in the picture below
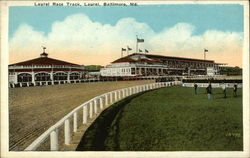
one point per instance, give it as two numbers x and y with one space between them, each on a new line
169 119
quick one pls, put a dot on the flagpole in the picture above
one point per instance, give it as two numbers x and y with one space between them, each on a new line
136 44
121 53
205 54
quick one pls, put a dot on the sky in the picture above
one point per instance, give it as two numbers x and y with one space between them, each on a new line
95 35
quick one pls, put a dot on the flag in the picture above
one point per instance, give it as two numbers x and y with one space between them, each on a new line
123 49
140 50
140 40
205 50
129 48
146 51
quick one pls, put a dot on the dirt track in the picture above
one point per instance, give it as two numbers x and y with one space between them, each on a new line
33 110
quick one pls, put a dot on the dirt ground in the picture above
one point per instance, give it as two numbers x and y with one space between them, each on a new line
32 110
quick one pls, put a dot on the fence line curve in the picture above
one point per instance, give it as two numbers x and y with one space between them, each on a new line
90 108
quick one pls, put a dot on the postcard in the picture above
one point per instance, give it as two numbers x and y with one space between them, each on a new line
124 79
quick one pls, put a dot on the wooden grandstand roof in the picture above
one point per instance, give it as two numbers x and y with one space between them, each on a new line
157 59
43 61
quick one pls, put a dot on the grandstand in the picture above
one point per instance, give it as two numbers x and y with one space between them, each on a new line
142 65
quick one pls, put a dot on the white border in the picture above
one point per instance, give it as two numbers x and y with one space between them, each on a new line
4 92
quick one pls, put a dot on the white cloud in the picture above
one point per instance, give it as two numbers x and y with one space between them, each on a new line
79 39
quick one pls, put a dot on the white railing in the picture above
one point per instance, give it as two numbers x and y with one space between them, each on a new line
214 85
90 108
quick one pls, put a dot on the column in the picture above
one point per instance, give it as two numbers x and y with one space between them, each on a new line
140 71
15 77
33 77
68 77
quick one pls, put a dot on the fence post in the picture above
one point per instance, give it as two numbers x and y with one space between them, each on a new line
75 121
124 93
115 95
111 97
67 132
120 94
106 100
85 114
95 105
54 146
91 109
101 103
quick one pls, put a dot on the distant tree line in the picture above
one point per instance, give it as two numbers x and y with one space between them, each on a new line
230 71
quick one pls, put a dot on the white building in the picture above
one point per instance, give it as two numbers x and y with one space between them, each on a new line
156 65
44 71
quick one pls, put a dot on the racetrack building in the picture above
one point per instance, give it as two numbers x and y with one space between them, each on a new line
44 71
140 65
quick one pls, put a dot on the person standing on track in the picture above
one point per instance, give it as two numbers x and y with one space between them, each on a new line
209 91
195 88
224 88
235 90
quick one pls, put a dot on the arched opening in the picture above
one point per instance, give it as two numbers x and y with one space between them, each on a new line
74 76
24 77
42 77
60 76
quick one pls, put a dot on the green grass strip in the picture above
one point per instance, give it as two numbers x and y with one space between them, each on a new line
169 119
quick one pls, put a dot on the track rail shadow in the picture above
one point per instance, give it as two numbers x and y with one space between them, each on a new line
95 136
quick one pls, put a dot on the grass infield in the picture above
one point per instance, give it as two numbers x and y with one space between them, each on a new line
169 119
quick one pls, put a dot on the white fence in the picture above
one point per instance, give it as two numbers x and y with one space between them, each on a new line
214 85
89 108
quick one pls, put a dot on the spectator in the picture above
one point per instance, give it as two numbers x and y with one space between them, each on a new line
195 88
224 88
209 91
235 90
